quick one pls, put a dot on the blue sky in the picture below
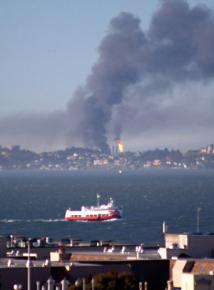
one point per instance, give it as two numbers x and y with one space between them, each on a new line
48 48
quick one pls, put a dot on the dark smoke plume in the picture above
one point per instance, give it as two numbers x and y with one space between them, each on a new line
156 84
135 68
116 68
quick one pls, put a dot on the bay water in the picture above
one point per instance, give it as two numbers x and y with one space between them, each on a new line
33 204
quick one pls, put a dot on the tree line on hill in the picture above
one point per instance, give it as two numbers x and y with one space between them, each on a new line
14 157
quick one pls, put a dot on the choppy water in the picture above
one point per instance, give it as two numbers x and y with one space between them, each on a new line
33 204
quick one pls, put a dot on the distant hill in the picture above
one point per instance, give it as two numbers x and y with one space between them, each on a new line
75 158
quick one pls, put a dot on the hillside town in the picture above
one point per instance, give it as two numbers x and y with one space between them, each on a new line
74 158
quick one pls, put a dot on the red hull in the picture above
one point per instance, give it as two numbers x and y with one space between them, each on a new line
94 218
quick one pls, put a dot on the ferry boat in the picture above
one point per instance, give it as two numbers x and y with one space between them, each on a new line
99 212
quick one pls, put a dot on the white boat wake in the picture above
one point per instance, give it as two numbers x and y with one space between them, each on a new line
31 220
41 220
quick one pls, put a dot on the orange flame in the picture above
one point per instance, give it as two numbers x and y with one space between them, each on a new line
120 147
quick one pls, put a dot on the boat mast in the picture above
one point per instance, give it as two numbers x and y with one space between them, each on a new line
98 199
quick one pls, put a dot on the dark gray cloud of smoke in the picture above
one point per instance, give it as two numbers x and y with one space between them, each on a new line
137 84
135 67
116 68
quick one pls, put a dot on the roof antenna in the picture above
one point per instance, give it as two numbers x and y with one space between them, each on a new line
164 227
98 199
198 220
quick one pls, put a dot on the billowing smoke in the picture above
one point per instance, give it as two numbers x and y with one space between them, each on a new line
129 85
116 69
156 84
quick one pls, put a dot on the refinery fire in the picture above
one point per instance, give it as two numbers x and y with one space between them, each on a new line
118 147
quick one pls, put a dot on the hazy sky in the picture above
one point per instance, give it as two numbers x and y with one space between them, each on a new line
48 48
